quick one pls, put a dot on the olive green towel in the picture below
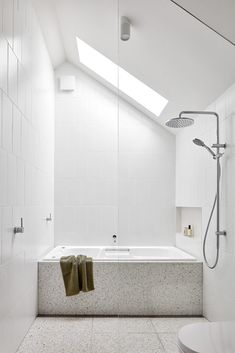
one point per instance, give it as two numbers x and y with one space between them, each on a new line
85 273
69 269
77 274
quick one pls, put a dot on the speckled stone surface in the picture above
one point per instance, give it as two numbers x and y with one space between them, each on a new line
103 335
126 289
173 325
169 342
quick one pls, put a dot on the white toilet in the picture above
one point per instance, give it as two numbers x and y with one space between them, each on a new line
209 337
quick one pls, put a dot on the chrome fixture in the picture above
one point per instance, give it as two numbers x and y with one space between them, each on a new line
182 121
21 228
200 143
125 28
114 238
49 219
179 122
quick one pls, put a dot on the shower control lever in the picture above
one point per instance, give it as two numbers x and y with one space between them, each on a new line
222 232
21 228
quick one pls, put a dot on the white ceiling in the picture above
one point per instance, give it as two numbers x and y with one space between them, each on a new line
218 14
169 50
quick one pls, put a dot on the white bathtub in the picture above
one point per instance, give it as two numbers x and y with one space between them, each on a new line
122 253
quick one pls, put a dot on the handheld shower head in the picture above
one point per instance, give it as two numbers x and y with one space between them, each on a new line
198 142
179 122
201 143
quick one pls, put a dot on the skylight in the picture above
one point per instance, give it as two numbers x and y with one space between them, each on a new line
120 78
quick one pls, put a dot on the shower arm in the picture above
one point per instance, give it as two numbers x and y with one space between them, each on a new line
217 145
202 112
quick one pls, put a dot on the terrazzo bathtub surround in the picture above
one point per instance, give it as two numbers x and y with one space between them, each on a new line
126 289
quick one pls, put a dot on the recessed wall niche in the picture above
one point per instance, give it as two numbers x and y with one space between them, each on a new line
192 216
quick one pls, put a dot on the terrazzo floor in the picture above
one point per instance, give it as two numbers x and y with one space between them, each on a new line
103 335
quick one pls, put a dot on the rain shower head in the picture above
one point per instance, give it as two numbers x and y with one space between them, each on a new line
179 122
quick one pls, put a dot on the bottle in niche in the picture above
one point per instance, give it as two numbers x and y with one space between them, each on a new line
188 231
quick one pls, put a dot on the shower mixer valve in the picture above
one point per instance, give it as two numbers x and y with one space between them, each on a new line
19 229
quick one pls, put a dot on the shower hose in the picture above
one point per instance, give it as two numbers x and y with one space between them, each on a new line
206 233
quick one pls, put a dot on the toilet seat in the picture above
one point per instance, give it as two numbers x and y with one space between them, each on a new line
209 337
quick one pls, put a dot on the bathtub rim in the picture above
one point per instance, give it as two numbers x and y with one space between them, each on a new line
192 258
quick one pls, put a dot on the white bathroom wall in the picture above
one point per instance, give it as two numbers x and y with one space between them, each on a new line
196 186
114 169
26 165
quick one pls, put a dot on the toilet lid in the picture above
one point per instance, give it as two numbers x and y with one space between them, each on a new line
209 337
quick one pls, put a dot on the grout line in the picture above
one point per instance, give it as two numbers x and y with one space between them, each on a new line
154 328
91 336
163 348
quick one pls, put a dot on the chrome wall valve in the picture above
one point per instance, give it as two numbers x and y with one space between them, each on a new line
21 228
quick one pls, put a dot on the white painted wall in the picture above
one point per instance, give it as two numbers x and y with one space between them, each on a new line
114 169
26 165
195 187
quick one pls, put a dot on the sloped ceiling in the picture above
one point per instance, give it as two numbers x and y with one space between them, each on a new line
218 14
169 50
